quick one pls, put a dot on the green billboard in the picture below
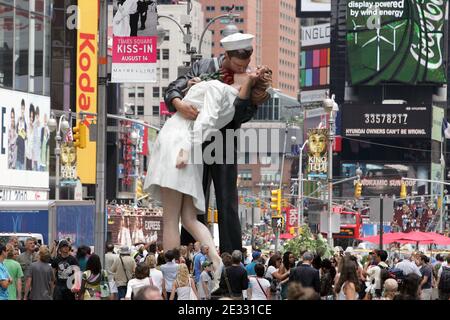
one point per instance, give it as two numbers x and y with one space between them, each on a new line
396 41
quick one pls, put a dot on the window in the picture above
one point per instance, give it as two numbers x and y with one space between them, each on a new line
155 92
165 54
155 110
158 54
210 8
164 89
131 94
140 110
165 73
141 94
167 35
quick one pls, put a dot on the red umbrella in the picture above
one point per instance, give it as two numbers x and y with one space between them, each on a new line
420 237
387 238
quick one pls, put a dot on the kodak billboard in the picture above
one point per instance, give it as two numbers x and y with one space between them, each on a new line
86 93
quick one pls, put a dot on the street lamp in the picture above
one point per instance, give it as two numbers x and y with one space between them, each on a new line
61 125
300 184
328 106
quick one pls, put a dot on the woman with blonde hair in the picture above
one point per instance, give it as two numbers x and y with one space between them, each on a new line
184 285
155 274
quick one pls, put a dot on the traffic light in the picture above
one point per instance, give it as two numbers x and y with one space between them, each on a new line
358 190
403 192
79 135
139 191
275 201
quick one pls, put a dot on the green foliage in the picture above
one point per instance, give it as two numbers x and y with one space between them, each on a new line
306 241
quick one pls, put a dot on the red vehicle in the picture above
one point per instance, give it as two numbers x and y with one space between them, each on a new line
350 229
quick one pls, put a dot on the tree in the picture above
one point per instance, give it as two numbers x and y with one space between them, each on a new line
306 241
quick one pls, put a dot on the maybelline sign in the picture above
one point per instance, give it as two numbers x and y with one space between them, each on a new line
378 121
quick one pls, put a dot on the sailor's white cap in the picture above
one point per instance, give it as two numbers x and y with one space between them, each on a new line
237 41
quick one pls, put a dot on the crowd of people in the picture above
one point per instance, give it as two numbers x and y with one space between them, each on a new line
145 272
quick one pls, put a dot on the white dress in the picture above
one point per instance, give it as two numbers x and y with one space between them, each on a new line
215 102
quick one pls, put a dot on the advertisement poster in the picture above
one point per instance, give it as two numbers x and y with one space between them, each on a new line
317 153
86 96
385 120
24 141
134 59
397 41
128 230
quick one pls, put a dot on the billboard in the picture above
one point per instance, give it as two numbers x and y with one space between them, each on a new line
386 120
127 230
396 41
86 93
313 8
24 141
314 63
133 59
317 153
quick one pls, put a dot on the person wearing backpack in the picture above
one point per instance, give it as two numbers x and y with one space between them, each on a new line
444 280
94 281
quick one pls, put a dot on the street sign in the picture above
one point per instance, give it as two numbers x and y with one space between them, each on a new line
335 222
388 209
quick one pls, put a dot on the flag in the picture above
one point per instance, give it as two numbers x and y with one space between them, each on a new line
445 129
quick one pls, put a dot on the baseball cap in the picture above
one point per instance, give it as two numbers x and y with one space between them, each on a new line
256 255
64 243
206 264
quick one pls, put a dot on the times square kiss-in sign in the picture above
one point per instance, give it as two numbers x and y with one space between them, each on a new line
396 41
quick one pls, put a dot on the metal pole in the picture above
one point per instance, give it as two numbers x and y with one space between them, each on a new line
381 222
441 220
277 233
330 177
100 226
57 153
300 187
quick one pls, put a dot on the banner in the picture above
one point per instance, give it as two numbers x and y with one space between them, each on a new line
134 59
86 96
317 153
386 120
396 41
132 229
24 144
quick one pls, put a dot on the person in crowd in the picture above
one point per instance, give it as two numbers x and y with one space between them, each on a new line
123 270
184 255
374 273
410 288
407 265
5 278
327 276
234 279
317 262
82 257
390 289
347 285
297 292
169 271
443 280
148 293
287 263
15 272
305 274
160 260
199 258
256 259
245 257
155 275
27 257
437 265
92 280
205 284
259 287
427 276
110 258
67 272
40 280
183 285
141 279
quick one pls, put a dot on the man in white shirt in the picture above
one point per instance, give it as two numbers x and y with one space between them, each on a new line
169 271
408 265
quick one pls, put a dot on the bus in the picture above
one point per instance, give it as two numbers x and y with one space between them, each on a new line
350 229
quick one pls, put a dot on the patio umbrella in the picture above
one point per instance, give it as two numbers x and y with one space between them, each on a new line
387 238
421 237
